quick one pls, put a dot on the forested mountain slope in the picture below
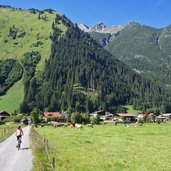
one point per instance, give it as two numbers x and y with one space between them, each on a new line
145 49
82 76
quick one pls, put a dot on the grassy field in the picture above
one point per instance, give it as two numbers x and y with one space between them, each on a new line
6 131
111 148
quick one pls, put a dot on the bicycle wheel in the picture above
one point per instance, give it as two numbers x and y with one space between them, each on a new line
19 144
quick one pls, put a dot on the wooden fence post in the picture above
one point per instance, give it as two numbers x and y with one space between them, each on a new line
53 164
47 149
47 146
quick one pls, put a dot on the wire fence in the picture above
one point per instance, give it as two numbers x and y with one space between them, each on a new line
47 148
6 132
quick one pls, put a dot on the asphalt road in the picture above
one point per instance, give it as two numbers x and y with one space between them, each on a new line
11 158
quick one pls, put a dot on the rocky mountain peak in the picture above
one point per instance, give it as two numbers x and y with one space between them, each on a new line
99 27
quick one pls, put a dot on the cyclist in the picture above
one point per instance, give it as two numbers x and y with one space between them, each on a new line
19 133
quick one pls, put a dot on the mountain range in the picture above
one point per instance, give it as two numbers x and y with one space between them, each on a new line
49 64
145 49
101 28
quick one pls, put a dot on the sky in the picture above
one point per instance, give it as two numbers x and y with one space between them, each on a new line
155 13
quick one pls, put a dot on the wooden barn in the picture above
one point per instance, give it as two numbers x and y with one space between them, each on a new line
125 116
4 115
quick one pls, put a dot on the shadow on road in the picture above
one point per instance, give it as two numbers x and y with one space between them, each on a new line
26 148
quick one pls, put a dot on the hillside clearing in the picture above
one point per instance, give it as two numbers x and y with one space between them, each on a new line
13 98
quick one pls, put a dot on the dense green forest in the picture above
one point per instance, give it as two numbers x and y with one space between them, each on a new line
82 76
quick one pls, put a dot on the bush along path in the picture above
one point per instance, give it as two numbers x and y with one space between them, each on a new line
13 159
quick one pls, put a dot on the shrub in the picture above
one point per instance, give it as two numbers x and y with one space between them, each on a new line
95 120
141 121
35 116
85 118
76 118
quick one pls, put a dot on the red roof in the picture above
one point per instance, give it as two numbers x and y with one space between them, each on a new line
125 115
53 114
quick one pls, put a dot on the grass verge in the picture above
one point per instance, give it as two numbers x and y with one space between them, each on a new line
40 161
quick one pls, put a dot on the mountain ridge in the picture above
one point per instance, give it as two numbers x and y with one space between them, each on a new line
144 48
101 28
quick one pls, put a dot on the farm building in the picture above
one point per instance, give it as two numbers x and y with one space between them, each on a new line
125 116
102 114
168 115
164 117
3 115
54 115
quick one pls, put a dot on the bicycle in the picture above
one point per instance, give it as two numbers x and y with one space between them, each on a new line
19 143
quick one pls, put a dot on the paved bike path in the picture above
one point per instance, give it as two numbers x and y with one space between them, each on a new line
11 159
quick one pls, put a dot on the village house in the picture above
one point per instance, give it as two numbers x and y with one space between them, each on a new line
4 115
125 117
102 114
164 117
54 115
168 115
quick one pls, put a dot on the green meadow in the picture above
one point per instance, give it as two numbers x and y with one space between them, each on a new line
109 148
35 30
